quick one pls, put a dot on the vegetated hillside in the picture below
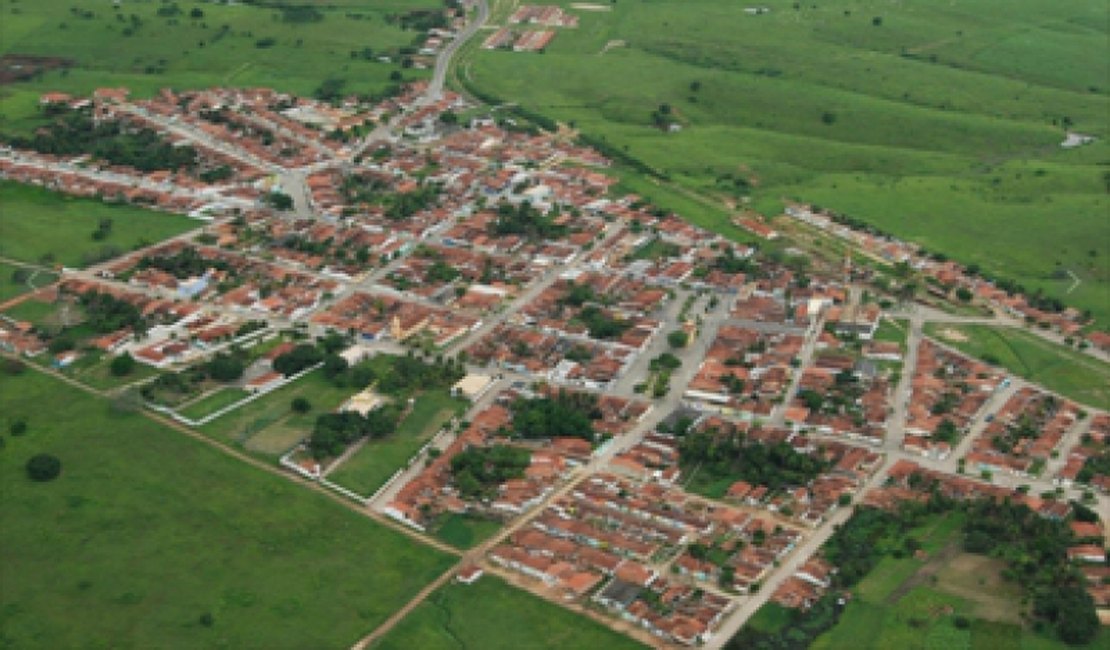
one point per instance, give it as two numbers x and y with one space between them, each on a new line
936 121
292 46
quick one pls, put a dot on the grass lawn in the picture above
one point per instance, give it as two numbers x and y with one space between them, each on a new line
937 122
1066 371
10 288
492 615
268 425
213 402
42 226
464 532
372 465
146 530
895 330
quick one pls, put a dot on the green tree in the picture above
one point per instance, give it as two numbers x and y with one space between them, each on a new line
122 365
678 339
43 467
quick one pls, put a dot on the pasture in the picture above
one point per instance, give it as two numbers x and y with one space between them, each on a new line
17 280
150 539
148 46
935 121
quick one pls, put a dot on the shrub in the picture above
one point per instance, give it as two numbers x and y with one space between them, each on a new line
44 467
122 365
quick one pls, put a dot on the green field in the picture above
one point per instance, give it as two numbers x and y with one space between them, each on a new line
213 402
490 614
938 122
269 426
1060 369
912 603
219 49
10 287
146 531
37 225
372 465
465 532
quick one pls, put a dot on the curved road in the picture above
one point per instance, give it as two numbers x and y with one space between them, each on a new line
443 61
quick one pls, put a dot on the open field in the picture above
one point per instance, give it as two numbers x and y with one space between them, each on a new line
268 425
938 122
209 404
372 465
146 531
231 44
465 532
912 603
42 226
10 286
490 614
1070 373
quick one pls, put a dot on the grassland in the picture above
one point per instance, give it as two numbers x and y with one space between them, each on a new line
1060 369
146 531
37 225
913 603
490 614
220 49
372 465
268 425
11 288
935 121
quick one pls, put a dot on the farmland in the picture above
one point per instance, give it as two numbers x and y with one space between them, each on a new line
474 616
148 46
148 539
40 226
1070 373
939 123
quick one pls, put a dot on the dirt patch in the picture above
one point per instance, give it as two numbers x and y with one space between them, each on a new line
953 335
21 67
978 578
588 6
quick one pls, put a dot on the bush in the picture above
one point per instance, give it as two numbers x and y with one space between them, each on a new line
122 365
18 427
301 405
44 467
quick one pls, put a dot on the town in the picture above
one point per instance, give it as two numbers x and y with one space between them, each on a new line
650 424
